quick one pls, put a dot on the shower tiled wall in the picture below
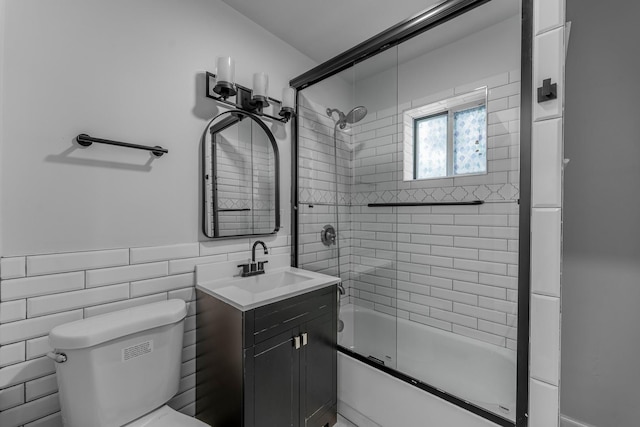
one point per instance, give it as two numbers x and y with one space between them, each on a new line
314 255
316 157
317 206
40 292
456 267
378 148
450 267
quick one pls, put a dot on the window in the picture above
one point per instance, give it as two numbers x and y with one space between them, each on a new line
451 143
431 146
470 140
447 138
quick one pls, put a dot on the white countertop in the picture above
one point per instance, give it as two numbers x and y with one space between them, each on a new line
246 293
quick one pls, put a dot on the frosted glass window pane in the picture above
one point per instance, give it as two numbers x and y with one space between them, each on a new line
431 145
470 141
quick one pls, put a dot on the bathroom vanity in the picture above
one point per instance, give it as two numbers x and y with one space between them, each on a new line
266 350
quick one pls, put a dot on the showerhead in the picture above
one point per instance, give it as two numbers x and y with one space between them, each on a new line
356 114
353 116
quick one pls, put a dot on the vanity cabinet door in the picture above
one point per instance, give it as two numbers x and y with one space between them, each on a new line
318 372
249 371
272 377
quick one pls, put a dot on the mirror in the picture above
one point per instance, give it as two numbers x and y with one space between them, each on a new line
240 177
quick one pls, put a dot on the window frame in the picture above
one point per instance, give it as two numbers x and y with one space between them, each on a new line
450 114
416 151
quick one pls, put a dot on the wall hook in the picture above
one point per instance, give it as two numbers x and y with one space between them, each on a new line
548 91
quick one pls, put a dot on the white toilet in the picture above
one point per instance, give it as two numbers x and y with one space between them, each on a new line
121 368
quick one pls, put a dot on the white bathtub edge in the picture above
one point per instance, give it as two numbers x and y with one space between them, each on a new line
571 422
391 402
354 416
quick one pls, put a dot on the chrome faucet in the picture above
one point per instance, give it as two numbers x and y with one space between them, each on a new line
253 268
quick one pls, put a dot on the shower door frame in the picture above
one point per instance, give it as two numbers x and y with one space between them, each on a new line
392 37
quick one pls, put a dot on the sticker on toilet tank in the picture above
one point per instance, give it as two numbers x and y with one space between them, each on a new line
137 350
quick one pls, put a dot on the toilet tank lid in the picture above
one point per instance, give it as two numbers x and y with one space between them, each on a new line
96 330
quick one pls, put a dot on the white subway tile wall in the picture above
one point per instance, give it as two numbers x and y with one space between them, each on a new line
13 310
546 158
313 255
548 14
12 353
545 336
547 153
12 396
12 268
60 263
59 288
549 55
450 267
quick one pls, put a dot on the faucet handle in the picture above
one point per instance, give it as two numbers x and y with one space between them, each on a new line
245 268
261 265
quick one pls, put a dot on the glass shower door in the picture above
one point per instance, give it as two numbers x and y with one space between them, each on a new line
375 165
339 176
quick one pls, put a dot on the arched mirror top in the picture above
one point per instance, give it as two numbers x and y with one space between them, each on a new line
241 177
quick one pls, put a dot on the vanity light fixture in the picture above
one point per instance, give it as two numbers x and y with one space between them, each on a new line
221 86
261 89
288 103
225 85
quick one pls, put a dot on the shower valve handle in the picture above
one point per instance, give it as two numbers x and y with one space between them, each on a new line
328 235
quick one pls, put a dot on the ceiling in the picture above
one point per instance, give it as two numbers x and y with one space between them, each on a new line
322 29
466 25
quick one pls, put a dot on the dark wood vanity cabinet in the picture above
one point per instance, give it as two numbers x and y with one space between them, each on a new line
272 366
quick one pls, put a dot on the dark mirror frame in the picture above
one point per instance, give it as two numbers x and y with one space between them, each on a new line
232 117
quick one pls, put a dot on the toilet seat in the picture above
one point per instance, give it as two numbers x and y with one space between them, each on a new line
166 417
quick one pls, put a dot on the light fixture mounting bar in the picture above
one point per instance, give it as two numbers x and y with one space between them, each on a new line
244 101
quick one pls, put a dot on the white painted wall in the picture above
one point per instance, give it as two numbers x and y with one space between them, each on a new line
489 51
333 92
601 264
127 71
2 26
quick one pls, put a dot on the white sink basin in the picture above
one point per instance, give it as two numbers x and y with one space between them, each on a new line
268 282
246 293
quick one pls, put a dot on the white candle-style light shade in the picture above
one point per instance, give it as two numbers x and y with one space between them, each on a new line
226 72
287 109
288 98
226 69
261 88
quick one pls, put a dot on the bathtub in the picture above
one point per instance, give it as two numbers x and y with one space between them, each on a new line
474 371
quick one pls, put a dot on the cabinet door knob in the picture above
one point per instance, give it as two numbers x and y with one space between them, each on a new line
305 339
296 342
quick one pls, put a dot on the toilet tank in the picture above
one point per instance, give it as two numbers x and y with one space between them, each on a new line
120 365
